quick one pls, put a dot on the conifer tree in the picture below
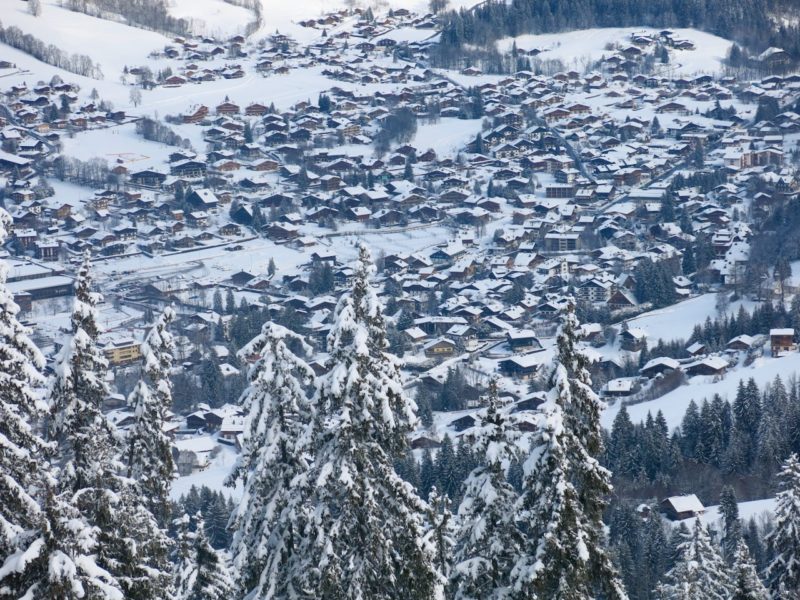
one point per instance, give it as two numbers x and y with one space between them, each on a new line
201 573
86 441
21 460
783 573
440 531
44 550
62 563
354 493
488 541
699 573
731 526
746 584
268 519
61 560
129 544
149 451
564 553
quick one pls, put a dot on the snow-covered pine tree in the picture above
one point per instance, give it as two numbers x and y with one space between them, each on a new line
699 573
149 451
61 563
488 541
783 573
87 446
23 469
746 584
268 519
564 552
366 537
129 544
201 573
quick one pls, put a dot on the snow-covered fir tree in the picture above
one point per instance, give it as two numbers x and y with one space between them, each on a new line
87 445
130 546
744 577
60 558
699 572
63 564
268 520
783 573
23 468
201 573
564 553
488 541
149 451
365 538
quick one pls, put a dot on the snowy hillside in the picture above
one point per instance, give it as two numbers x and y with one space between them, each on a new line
112 45
578 49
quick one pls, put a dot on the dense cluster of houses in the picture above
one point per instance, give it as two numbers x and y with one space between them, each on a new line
565 190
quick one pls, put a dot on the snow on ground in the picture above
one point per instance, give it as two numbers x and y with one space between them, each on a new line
212 17
111 45
407 34
678 321
747 510
447 136
578 49
117 144
212 476
284 14
674 404
282 90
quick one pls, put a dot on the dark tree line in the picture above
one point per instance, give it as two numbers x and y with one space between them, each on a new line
654 283
719 443
646 549
154 131
399 126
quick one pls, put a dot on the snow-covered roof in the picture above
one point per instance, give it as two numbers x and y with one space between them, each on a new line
664 361
619 385
782 331
688 503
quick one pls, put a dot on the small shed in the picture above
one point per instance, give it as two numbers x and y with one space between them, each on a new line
677 508
697 349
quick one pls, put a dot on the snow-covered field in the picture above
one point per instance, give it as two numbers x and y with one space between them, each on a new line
673 405
117 144
577 49
747 510
212 17
446 136
212 476
677 321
